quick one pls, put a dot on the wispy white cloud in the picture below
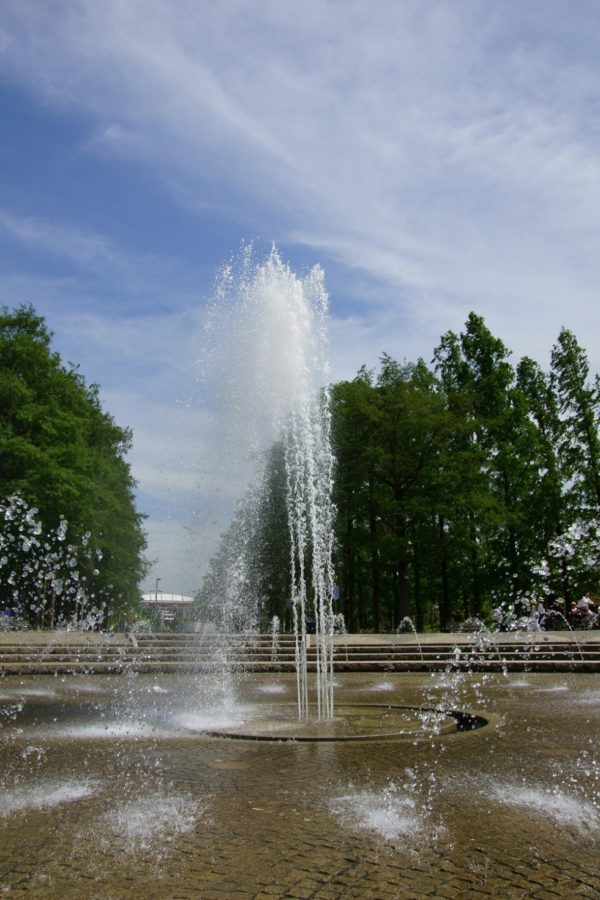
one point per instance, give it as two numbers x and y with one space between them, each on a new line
98 263
423 145
87 250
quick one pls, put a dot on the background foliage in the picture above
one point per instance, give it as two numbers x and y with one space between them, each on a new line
460 485
65 457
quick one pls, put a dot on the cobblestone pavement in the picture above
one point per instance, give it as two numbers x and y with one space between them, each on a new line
93 809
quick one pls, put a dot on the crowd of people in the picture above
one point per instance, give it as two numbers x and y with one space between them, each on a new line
548 614
582 614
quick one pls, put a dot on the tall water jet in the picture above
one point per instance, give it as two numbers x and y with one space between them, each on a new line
265 362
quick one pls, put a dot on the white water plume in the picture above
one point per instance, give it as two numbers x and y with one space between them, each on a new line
265 364
265 352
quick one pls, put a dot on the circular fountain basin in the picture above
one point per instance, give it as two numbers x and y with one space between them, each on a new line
51 718
352 722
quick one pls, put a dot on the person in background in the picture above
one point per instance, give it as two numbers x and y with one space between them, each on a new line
587 610
540 612
574 615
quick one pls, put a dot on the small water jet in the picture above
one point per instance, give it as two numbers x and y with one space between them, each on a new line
151 823
392 812
565 808
407 625
275 631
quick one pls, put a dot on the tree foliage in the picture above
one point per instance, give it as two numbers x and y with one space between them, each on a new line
458 486
65 456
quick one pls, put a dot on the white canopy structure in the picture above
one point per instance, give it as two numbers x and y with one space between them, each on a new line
166 605
168 601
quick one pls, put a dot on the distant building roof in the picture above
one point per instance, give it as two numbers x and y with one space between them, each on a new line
160 598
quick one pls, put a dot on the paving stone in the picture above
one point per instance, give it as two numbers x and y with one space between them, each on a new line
302 841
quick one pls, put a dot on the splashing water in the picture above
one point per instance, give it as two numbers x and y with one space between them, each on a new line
565 808
152 823
45 794
46 581
398 810
266 350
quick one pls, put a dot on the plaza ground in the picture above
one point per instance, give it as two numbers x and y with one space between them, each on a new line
101 800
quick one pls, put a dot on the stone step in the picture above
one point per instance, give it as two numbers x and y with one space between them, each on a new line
30 652
340 660
83 654
50 668
378 650
289 666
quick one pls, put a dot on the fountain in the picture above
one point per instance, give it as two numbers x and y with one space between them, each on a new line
166 784
265 360
122 786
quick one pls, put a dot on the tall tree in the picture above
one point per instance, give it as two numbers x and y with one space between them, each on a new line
481 385
387 435
455 489
62 453
579 403
547 509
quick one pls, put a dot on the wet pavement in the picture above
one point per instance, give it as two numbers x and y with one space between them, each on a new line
109 788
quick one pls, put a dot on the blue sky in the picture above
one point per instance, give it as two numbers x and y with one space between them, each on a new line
433 157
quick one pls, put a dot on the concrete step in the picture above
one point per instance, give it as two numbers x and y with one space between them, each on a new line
51 668
37 652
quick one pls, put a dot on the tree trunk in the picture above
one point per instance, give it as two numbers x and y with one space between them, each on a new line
475 585
375 566
401 606
419 611
350 592
445 597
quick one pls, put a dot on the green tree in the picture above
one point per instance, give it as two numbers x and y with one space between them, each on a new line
63 454
248 578
579 404
388 434
270 542
547 508
357 500
455 489
500 438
